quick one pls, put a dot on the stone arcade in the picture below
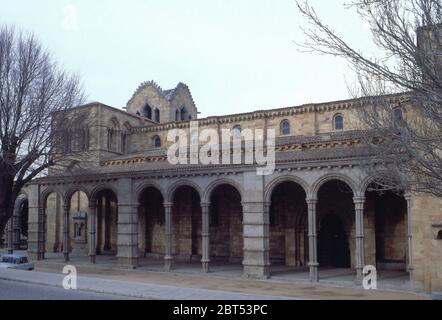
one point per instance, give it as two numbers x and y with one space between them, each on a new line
314 212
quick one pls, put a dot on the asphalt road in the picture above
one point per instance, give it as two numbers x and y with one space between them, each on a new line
14 290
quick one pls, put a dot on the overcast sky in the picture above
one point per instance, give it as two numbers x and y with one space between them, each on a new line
235 55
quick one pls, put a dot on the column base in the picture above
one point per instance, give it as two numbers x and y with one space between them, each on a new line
359 276
128 262
168 263
256 271
36 256
314 272
10 251
92 259
205 266
66 257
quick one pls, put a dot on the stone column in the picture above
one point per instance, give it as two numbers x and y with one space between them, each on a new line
92 225
168 257
35 224
127 225
206 237
312 240
408 198
256 260
9 236
66 232
359 222
256 240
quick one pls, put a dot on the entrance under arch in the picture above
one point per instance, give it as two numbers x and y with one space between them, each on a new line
335 212
107 222
53 212
333 248
151 219
78 232
226 234
288 227
387 209
186 224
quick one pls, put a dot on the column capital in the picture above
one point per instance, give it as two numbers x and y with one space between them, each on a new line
359 199
205 204
407 195
168 204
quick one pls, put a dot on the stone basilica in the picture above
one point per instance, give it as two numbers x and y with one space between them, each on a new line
313 214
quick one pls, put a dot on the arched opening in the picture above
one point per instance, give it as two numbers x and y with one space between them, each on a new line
387 209
156 141
23 216
107 222
186 224
147 112
333 243
338 122
151 223
183 114
157 115
225 216
285 127
336 217
288 227
53 213
78 235
112 137
398 116
236 132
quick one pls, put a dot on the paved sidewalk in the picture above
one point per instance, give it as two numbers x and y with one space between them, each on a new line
131 289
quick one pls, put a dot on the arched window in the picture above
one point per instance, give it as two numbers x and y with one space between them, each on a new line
177 115
338 122
113 131
183 114
285 127
236 131
157 115
398 116
156 142
147 111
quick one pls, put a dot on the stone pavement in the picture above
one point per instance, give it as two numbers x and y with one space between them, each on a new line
128 288
269 289
228 279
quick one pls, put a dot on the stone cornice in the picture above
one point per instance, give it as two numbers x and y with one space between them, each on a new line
262 114
206 170
283 144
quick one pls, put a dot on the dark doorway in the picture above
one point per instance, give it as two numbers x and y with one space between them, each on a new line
333 249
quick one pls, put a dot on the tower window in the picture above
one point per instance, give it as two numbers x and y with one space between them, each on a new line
157 115
148 111
183 114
